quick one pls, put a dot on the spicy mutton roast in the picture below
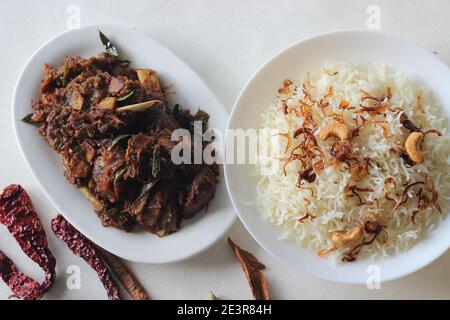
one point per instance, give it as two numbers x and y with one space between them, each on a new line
112 126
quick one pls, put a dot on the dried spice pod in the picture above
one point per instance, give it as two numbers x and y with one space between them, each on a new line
307 175
252 269
408 124
85 249
21 220
125 276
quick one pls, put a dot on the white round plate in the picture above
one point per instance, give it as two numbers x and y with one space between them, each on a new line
196 234
354 47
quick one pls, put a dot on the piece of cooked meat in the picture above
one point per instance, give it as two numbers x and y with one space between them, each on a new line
108 172
157 211
198 194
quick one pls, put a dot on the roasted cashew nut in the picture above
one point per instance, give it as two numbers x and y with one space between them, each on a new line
348 239
412 146
335 129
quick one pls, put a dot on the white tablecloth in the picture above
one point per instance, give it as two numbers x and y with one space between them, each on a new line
225 42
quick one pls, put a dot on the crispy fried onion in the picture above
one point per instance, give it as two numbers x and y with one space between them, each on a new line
284 108
353 191
360 169
419 101
329 72
342 151
338 117
329 92
252 269
307 216
425 201
404 197
306 113
379 106
362 123
286 88
355 239
384 125
345 105
313 194
323 105
389 181
306 89
307 152
433 131
288 140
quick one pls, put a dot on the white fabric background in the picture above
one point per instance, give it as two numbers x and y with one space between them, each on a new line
225 42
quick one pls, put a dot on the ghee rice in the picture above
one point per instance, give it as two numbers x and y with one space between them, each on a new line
310 214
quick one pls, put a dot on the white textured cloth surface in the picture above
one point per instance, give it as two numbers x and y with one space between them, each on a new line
225 42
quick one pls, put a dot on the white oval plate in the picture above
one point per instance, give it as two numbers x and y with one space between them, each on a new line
355 47
196 234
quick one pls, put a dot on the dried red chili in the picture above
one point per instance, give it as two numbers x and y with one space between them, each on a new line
21 285
84 248
21 220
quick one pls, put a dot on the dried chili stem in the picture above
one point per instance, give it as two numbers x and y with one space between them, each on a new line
125 276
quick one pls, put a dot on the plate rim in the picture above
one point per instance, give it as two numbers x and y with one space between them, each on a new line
269 61
141 259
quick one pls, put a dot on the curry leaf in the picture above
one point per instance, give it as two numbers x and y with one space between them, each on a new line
109 47
28 119
65 78
117 139
113 212
119 175
156 166
201 116
125 97
147 187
